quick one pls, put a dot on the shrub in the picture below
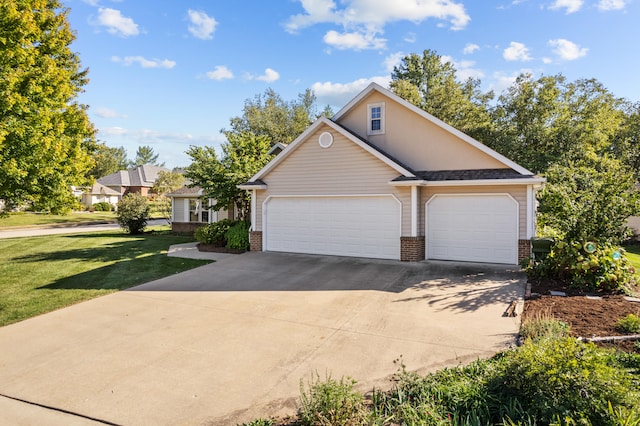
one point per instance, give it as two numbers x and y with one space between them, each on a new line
102 206
586 265
237 236
331 403
542 328
133 213
629 324
214 233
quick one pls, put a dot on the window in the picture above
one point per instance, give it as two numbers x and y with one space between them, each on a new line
194 209
375 117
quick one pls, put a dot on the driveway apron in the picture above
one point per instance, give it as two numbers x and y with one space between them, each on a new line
231 341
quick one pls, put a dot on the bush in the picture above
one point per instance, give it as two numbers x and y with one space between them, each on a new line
587 266
214 233
133 213
543 328
102 206
237 236
331 403
629 324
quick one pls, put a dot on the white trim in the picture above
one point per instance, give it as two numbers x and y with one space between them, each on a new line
530 212
254 203
492 182
466 138
434 196
414 211
303 137
380 131
252 186
265 235
185 210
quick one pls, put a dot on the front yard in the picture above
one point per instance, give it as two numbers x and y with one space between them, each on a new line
41 274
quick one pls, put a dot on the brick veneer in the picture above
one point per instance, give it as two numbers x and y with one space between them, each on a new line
255 240
524 249
186 227
411 249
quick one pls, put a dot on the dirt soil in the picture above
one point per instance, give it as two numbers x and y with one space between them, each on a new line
587 317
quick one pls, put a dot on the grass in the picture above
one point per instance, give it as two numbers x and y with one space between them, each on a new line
633 254
41 274
35 219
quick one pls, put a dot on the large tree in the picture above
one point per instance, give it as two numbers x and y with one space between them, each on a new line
540 121
146 155
280 121
431 83
46 138
243 155
108 160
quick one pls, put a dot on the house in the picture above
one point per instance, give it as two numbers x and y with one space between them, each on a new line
384 179
190 211
137 180
99 193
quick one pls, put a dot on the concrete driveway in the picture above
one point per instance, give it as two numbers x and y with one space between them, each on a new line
230 341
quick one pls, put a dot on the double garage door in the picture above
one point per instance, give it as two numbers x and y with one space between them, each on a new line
360 226
475 228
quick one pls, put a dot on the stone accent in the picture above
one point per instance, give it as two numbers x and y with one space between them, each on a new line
186 227
411 249
524 249
255 240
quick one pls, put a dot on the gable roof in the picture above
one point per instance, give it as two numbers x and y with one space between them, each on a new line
462 136
186 191
376 152
144 176
99 189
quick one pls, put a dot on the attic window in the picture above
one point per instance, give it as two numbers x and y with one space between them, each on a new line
375 119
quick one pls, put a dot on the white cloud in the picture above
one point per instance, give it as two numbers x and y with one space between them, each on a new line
144 62
502 81
516 52
354 41
220 73
567 50
364 20
270 75
117 24
202 25
338 94
606 5
571 6
410 38
104 112
470 48
392 61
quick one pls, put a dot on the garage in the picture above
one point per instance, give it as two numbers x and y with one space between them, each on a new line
358 226
472 228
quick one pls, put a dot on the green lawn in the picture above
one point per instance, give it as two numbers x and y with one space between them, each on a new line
34 219
41 274
633 254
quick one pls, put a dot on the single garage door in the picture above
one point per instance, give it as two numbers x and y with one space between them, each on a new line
473 228
360 226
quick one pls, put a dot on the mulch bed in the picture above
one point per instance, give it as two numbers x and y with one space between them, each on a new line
216 249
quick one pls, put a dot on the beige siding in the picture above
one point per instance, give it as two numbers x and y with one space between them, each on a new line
178 210
342 169
518 192
415 141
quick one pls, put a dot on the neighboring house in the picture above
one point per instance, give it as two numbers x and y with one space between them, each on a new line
384 179
137 180
99 193
189 211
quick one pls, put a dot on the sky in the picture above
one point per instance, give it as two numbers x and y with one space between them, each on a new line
171 74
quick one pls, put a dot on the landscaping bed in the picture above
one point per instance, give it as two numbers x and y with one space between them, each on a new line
588 317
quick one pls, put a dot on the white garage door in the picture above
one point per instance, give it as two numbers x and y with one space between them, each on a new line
474 228
360 226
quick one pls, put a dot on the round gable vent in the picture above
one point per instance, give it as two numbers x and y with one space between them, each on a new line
325 139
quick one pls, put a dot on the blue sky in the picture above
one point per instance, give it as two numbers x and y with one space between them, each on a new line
170 74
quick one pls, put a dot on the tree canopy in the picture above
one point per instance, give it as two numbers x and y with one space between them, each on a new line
146 155
46 138
108 160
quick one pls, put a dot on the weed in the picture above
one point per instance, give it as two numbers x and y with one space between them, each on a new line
629 324
542 327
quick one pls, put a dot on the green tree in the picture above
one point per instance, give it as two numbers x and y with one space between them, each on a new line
269 115
626 143
146 155
588 197
537 122
431 84
243 155
108 160
133 213
46 138
168 182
